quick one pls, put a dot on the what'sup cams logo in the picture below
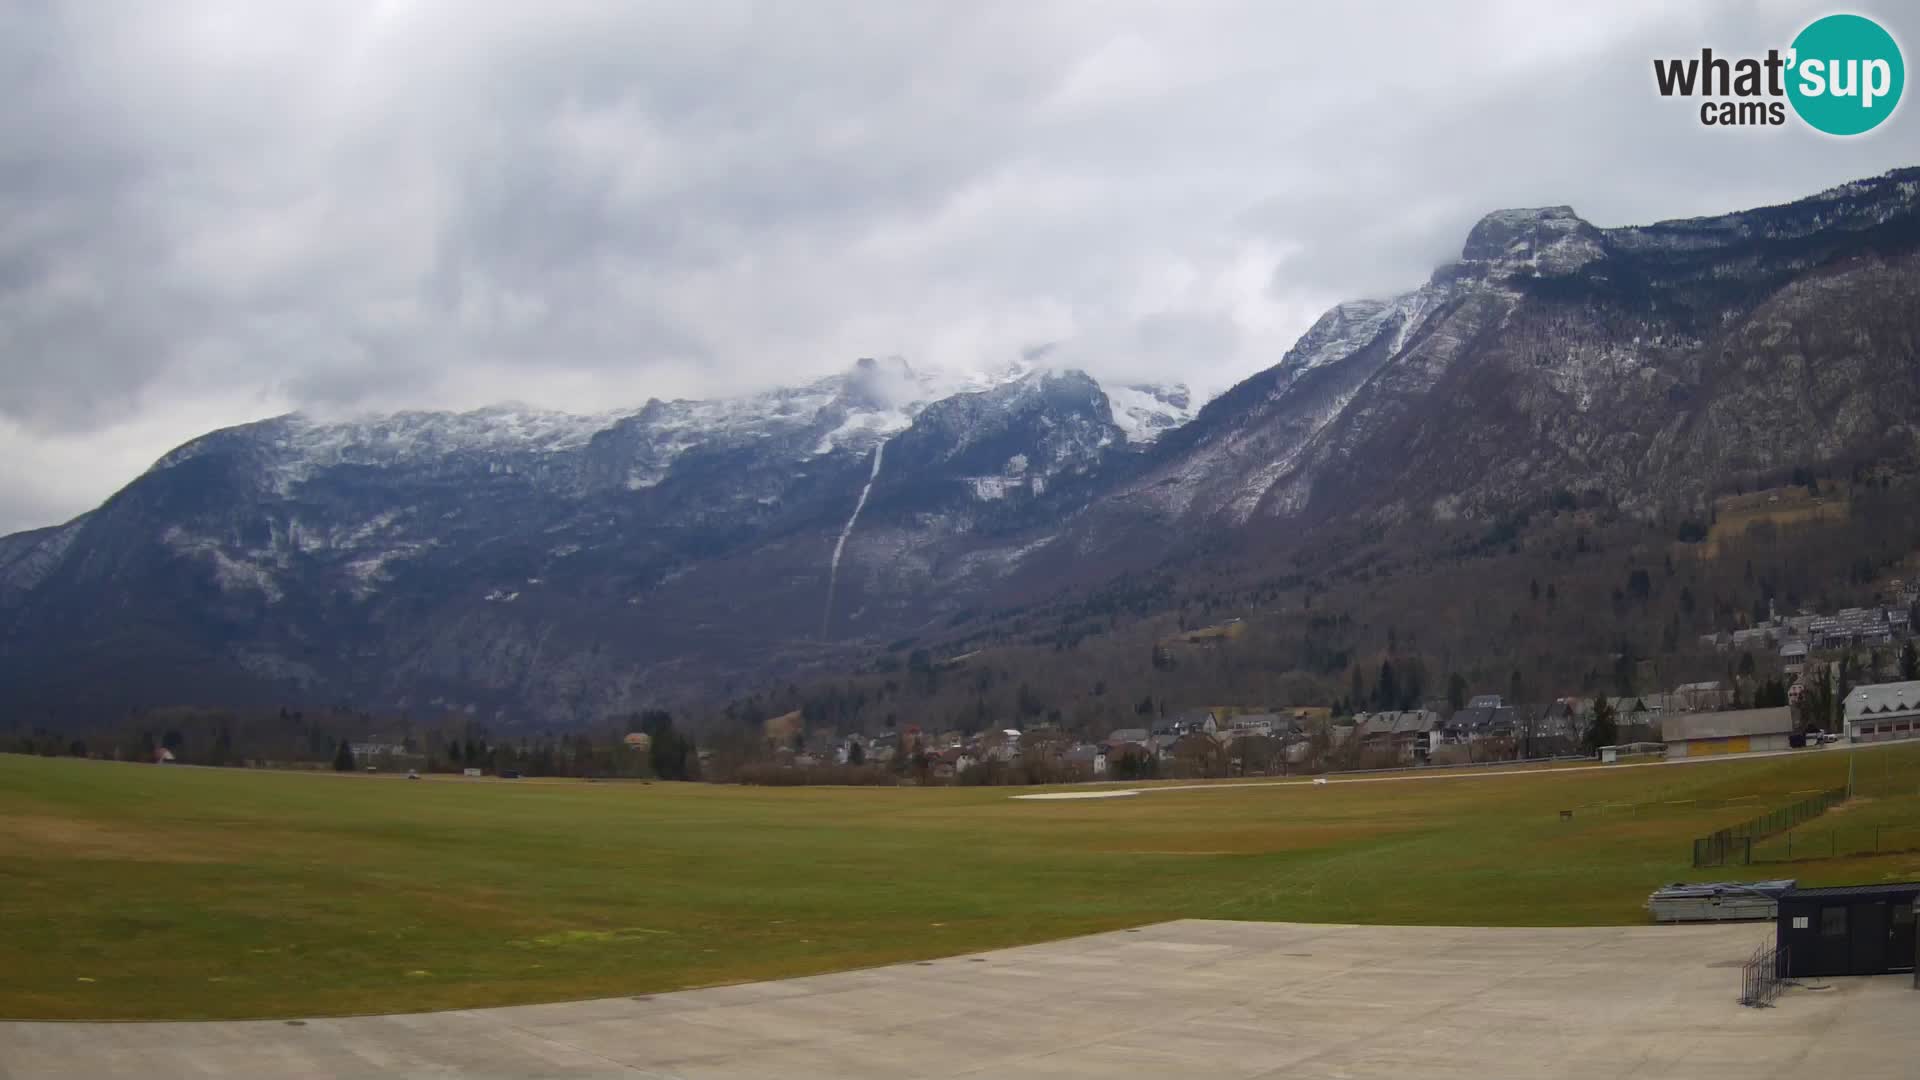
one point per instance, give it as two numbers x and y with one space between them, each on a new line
1842 75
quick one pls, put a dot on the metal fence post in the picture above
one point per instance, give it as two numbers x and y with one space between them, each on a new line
1737 840
1762 976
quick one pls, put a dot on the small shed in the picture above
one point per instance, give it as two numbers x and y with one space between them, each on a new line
1849 929
1737 732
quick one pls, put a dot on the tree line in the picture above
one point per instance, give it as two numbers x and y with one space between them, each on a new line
344 740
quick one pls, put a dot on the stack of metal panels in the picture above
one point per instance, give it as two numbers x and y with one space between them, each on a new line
1717 901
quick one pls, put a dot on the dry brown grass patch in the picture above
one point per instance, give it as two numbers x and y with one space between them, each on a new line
43 836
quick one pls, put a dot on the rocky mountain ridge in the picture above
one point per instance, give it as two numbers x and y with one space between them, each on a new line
1556 354
534 566
472 552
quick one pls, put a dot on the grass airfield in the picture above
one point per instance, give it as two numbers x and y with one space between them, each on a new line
142 892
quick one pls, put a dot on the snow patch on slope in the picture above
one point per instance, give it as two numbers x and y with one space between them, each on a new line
27 558
1262 481
231 574
884 396
864 427
385 440
1143 413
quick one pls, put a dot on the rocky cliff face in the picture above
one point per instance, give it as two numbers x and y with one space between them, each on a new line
1645 363
529 565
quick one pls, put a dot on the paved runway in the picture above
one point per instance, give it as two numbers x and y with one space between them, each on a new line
1189 998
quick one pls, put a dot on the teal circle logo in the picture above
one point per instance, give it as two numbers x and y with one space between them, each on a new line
1846 74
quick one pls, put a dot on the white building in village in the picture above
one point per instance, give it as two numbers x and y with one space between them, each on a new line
1882 712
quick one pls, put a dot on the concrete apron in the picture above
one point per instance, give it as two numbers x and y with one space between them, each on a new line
1195 997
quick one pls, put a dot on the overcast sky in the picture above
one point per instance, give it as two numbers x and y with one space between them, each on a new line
212 213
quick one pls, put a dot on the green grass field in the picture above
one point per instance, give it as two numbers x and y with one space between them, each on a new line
1871 823
137 891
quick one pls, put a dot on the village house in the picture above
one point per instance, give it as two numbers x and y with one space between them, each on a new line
1660 704
1002 745
1557 731
1483 721
1854 626
1197 749
864 750
1701 696
1416 734
1883 712
1092 759
1161 746
1180 723
950 762
1369 729
1634 720
1793 655
1626 706
1847 628
1408 735
1255 724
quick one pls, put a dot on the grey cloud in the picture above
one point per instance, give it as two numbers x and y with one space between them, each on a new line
211 211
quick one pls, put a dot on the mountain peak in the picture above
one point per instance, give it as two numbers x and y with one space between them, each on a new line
1551 239
1501 233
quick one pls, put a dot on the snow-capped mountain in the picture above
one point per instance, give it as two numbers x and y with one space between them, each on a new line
531 565
846 412
482 555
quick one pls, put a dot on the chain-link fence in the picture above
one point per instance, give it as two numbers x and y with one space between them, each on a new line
1798 845
1735 844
